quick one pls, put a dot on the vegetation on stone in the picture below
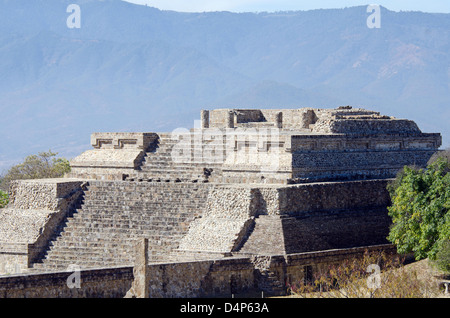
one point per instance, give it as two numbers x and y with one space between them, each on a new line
3 199
420 211
40 166
443 257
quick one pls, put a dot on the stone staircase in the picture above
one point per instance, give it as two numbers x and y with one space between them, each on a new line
179 159
115 214
269 283
266 237
266 279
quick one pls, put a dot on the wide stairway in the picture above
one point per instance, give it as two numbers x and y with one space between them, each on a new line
115 214
181 158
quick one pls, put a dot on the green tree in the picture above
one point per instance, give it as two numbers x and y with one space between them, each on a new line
40 166
3 199
443 257
420 209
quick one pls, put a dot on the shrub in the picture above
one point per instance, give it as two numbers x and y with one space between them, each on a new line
359 278
443 257
420 209
43 165
3 199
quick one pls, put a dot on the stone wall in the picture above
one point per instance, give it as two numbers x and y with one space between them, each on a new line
230 276
291 119
114 155
227 217
268 200
290 219
359 142
341 120
213 278
319 216
298 263
328 166
306 232
43 194
94 283
257 155
312 197
334 157
368 125
123 140
35 210
207 278
326 196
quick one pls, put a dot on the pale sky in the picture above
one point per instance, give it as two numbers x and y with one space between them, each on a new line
442 6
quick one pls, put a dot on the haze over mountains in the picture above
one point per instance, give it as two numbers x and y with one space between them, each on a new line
136 68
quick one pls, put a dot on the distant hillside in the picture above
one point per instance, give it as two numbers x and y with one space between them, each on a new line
136 68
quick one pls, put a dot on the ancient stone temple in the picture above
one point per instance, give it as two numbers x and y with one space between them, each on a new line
244 187
281 146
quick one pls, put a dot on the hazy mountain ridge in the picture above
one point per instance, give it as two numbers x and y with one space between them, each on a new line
136 68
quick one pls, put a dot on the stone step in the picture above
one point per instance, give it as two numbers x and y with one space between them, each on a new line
166 192
89 254
144 203
127 232
136 188
114 237
149 211
183 166
8 247
269 283
101 222
135 227
111 242
175 167
136 196
115 214
157 179
145 209
116 249
94 253
69 254
129 218
160 174
92 243
188 160
63 264
113 233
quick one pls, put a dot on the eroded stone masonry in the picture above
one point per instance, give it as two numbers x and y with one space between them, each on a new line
246 200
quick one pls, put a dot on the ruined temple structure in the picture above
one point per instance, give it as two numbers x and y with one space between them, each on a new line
281 146
244 186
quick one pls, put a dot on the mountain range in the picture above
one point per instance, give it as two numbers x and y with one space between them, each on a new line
136 68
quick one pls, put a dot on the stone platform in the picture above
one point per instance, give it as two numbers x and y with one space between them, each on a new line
240 184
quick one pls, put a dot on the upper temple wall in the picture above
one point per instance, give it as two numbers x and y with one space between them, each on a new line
343 120
294 119
346 120
263 146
